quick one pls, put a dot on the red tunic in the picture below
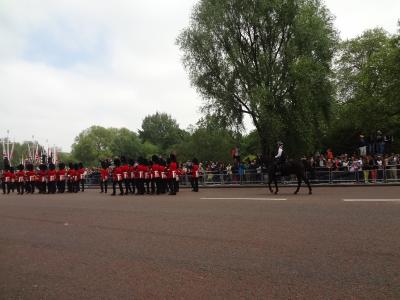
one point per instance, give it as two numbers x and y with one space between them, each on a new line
31 176
172 170
195 171
140 171
61 175
52 175
81 173
104 174
71 174
42 176
125 171
117 174
20 175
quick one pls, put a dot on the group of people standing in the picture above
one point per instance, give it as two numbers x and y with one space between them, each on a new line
143 176
45 178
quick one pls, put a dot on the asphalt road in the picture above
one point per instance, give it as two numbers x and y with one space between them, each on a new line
94 246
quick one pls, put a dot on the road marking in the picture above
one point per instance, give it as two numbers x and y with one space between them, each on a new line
254 199
371 200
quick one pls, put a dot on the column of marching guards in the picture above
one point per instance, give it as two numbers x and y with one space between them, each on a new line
44 179
155 176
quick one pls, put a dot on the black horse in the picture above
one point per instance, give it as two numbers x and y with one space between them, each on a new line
295 167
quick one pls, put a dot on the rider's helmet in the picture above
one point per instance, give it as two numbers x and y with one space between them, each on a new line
279 143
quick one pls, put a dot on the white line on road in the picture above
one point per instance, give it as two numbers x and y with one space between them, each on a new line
371 200
255 199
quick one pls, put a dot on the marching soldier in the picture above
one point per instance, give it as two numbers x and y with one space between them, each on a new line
20 179
42 178
195 175
172 172
52 179
31 179
117 177
70 177
125 174
104 177
61 178
81 177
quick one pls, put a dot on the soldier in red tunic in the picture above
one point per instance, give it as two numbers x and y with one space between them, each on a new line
125 175
42 178
140 176
51 179
70 177
20 179
195 175
81 177
156 173
61 178
117 177
30 179
163 172
172 172
132 170
104 174
7 177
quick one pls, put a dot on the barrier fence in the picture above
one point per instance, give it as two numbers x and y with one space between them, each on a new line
316 176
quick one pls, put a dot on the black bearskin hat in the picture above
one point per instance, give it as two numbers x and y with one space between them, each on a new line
29 167
195 161
117 162
172 157
76 166
123 159
155 159
70 165
20 167
131 162
80 165
61 166
104 164
52 166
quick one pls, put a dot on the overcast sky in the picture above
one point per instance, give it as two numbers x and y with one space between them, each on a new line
66 65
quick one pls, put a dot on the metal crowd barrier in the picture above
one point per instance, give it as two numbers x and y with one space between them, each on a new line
316 176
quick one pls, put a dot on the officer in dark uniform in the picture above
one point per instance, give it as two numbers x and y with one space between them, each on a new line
280 157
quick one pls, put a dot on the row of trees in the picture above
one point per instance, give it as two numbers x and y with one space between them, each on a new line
160 134
281 63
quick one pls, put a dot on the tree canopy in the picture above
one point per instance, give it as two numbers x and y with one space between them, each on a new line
268 59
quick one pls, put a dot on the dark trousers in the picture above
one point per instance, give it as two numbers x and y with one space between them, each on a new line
172 186
61 186
127 186
20 187
51 187
140 186
82 182
30 187
103 186
70 185
119 183
195 184
42 187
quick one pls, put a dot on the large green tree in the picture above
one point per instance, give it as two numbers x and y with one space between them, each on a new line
269 59
161 130
368 80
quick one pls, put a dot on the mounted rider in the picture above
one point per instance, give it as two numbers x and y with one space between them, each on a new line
280 157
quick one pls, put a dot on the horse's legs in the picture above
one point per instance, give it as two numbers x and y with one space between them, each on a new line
276 185
308 184
269 183
298 184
